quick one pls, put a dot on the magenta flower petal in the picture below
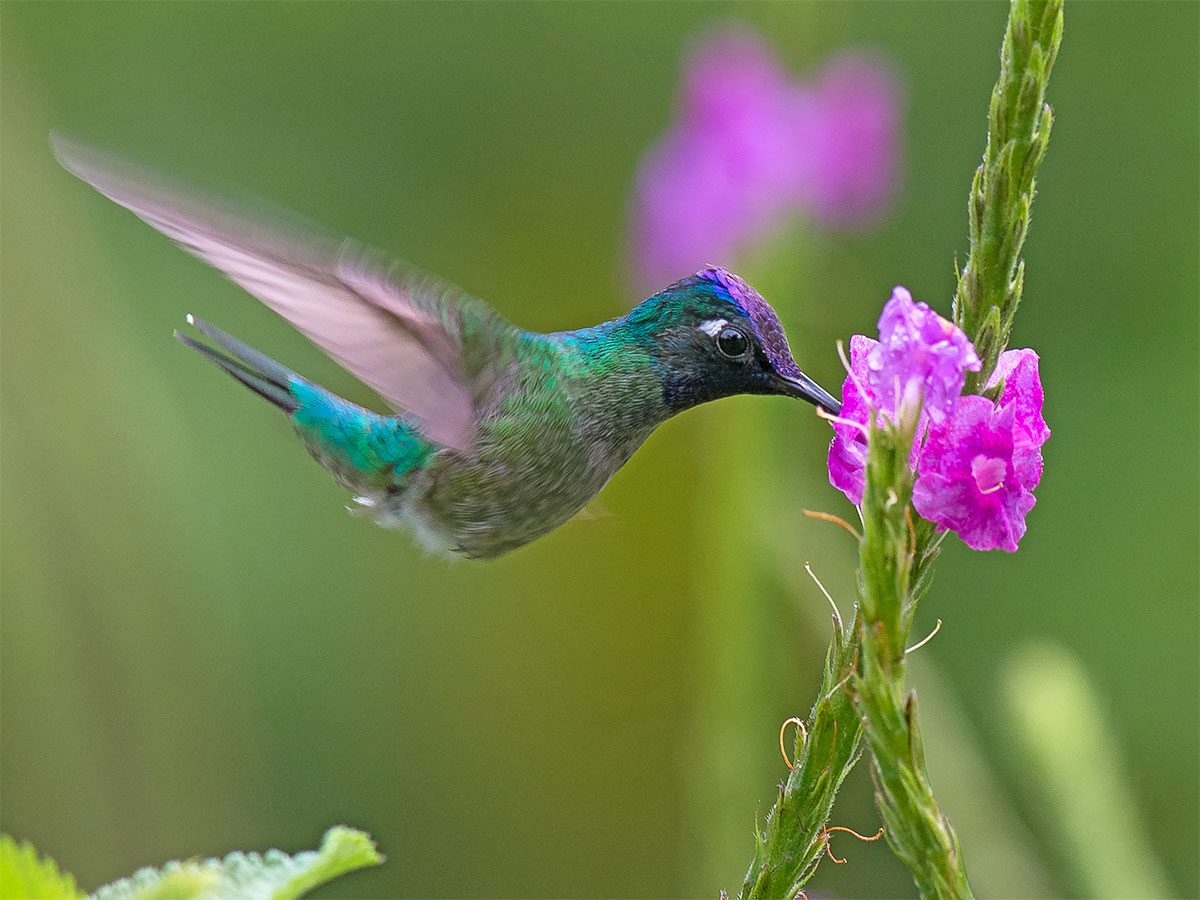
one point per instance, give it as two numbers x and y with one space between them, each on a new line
920 357
1023 388
848 449
1023 392
968 479
977 462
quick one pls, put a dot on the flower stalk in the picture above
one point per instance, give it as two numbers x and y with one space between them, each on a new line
1002 191
898 546
895 558
791 841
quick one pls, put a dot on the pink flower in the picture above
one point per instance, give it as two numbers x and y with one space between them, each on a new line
848 449
977 462
750 148
1018 369
919 355
920 359
979 467
973 480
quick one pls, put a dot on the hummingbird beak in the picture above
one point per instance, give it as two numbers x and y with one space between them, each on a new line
804 388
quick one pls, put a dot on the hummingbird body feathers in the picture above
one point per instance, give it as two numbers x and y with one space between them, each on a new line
568 414
500 435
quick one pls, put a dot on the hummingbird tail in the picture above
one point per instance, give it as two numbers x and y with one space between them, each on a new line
269 379
365 452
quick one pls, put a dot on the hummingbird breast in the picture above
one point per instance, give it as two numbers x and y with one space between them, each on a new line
560 422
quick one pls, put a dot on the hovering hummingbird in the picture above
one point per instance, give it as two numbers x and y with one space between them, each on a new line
499 434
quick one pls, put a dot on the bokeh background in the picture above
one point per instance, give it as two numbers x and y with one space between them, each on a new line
201 651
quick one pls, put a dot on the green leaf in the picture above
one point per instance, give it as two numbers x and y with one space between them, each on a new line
25 875
250 876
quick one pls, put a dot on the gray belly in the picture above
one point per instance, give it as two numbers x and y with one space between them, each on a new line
494 502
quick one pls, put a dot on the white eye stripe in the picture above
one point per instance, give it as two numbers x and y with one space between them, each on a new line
713 327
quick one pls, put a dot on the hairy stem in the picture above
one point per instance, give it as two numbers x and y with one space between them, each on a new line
1002 191
789 845
898 547
894 565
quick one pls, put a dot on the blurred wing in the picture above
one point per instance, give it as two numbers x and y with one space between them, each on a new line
399 331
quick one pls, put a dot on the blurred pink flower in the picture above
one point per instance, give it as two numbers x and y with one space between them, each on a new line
851 120
750 148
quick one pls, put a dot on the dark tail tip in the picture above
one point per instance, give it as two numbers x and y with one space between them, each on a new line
271 382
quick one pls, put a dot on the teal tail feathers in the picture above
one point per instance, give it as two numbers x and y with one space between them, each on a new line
365 451
269 379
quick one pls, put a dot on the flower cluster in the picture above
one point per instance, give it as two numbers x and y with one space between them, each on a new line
920 361
976 461
750 147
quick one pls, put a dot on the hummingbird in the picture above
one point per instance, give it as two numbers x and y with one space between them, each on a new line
497 435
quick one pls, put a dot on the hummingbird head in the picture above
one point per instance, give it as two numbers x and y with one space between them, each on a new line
716 337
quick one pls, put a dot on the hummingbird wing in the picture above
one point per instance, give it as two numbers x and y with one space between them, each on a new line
420 343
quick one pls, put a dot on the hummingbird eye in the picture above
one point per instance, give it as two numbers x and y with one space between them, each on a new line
732 343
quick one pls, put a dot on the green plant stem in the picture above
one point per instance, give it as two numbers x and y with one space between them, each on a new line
898 547
1002 191
895 557
789 845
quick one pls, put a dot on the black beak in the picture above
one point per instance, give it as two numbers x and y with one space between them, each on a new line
803 387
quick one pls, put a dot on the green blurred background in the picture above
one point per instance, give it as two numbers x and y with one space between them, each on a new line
202 651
